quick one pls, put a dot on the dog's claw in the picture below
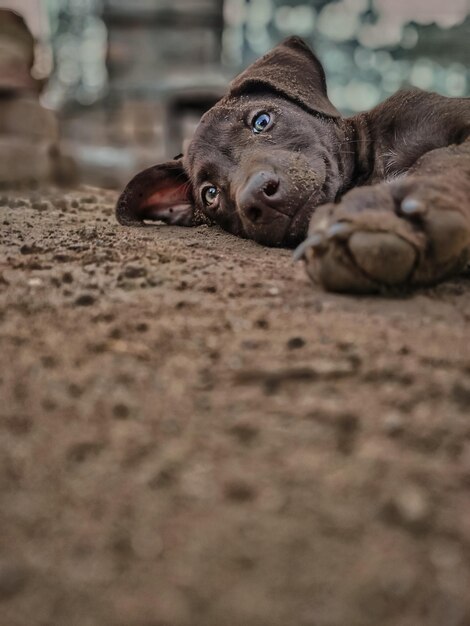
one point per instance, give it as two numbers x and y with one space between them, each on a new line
339 230
315 241
412 207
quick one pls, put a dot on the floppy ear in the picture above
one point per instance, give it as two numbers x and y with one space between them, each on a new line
161 193
292 70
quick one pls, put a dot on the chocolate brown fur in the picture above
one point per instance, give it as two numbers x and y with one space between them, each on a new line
386 192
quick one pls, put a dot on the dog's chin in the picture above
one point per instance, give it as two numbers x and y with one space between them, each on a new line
298 226
282 230
270 233
285 233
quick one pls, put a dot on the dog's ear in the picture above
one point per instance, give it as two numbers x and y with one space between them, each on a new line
292 70
162 193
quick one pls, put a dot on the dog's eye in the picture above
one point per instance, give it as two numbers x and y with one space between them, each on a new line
260 122
210 195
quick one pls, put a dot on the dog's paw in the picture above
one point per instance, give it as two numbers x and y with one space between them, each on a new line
387 237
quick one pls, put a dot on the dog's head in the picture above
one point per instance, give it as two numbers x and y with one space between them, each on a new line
260 161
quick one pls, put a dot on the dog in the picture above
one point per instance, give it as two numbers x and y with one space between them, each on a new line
378 202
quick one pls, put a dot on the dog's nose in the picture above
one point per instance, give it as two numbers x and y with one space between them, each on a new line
260 194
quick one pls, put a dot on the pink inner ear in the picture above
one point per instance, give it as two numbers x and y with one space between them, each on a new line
159 193
167 196
171 204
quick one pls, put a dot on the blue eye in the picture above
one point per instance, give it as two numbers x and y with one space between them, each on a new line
210 195
260 122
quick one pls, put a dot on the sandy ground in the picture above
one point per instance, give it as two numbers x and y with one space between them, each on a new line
192 435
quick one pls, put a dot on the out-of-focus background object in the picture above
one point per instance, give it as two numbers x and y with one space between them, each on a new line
29 137
28 131
130 78
16 54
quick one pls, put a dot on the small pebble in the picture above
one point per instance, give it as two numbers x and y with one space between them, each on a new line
239 491
121 411
40 206
35 282
295 342
262 323
89 199
133 271
410 507
86 299
30 248
393 423
245 433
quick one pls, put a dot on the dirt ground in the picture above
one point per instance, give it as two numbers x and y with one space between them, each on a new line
193 435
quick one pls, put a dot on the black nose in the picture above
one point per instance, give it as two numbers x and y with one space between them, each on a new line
260 194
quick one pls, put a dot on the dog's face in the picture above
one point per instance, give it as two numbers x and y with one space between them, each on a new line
260 161
258 164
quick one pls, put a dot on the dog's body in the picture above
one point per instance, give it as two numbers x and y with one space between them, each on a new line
386 193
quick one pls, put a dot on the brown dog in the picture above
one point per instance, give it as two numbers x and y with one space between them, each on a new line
386 192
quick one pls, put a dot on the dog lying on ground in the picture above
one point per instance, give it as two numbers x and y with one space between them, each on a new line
382 197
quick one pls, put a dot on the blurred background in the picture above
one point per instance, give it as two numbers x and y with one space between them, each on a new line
129 79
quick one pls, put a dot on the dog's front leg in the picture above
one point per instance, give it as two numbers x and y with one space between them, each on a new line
410 232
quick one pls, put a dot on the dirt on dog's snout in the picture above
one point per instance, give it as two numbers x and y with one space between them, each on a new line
192 435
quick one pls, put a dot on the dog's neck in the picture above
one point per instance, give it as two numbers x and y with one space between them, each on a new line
357 151
353 154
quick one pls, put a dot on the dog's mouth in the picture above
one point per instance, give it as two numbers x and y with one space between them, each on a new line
298 226
283 228
272 200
